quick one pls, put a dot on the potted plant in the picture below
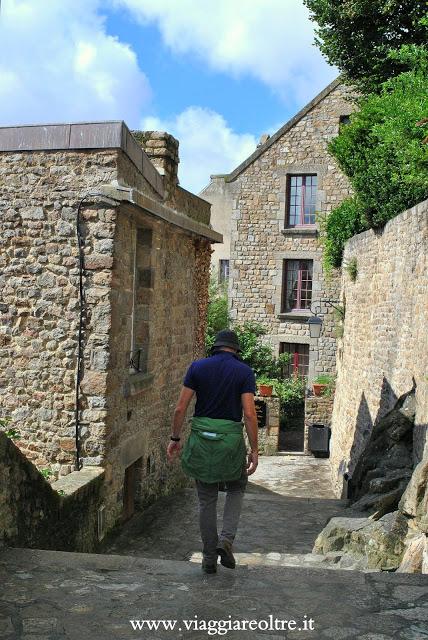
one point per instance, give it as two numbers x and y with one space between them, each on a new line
321 384
265 386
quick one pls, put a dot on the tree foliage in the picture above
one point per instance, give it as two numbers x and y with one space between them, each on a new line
217 312
384 152
256 353
358 36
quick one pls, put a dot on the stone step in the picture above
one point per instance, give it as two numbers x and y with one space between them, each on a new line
50 595
308 560
253 494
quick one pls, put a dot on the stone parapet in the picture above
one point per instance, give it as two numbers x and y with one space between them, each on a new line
269 432
35 514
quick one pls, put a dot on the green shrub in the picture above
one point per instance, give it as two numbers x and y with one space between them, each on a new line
290 391
342 223
352 268
217 312
382 153
257 354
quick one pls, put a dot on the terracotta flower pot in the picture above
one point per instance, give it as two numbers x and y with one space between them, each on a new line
319 389
265 389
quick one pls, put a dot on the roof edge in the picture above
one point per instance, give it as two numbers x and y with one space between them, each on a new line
286 127
80 136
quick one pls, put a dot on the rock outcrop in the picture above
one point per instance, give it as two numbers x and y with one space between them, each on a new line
386 465
389 524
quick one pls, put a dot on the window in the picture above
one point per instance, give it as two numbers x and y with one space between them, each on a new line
344 119
296 285
143 290
299 363
302 193
223 271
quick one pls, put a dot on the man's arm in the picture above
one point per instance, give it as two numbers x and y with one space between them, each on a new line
251 427
183 402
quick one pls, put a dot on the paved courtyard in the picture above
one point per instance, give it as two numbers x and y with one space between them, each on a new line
151 573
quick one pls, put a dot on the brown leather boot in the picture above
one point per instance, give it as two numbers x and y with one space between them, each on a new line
224 550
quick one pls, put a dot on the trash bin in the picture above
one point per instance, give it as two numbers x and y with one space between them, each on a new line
319 438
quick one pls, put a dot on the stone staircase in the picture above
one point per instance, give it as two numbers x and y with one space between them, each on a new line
149 573
287 503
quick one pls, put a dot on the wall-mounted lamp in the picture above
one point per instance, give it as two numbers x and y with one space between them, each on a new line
315 322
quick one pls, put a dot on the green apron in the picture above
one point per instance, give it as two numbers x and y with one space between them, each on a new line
215 450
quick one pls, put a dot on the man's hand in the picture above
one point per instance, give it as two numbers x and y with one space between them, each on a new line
253 461
173 449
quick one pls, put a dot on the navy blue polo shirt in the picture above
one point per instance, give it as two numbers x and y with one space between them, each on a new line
219 382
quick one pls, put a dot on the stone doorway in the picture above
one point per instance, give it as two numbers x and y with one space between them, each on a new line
292 429
131 489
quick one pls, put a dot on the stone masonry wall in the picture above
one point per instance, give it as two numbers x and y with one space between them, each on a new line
140 406
259 243
162 149
34 514
39 296
384 350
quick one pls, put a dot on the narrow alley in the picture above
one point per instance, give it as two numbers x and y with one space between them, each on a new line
144 575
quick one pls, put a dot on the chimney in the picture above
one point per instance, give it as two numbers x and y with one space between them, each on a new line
263 139
162 149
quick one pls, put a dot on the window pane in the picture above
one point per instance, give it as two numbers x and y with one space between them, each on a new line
305 281
297 284
302 200
223 272
299 363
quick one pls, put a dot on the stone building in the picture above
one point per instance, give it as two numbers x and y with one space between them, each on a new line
273 204
104 273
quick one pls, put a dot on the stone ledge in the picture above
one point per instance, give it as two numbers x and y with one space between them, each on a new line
137 382
133 197
299 315
300 231
77 479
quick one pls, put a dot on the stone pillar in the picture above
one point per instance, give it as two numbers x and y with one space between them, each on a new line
269 434
162 149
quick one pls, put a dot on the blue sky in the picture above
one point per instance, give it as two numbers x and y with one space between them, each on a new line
214 73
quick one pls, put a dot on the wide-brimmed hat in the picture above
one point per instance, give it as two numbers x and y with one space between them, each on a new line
227 338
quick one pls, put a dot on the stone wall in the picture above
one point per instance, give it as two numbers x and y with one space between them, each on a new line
34 514
220 194
269 434
140 406
384 350
259 241
39 285
138 286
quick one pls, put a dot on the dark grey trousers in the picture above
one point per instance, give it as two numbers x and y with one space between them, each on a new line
207 495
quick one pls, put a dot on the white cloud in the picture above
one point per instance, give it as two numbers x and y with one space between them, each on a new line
207 144
271 40
57 63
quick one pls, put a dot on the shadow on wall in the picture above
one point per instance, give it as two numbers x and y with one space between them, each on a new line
381 456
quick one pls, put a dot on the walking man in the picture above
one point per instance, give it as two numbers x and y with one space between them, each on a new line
215 454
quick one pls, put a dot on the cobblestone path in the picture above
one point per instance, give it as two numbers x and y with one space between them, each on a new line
146 575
